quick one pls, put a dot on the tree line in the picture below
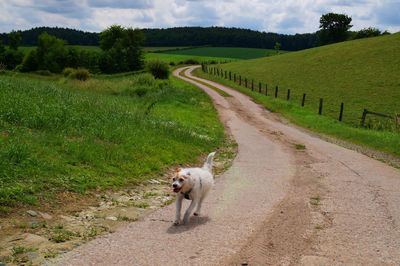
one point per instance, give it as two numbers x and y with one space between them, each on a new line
334 28
182 36
71 36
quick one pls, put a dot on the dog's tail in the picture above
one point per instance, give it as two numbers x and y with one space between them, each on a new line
208 164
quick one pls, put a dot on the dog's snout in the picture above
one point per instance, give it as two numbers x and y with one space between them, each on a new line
175 185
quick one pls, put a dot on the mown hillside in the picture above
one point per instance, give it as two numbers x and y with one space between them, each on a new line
361 73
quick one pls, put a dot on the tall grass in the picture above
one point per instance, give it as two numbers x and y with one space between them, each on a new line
58 135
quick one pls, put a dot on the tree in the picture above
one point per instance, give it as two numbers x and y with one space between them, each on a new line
122 49
51 53
277 47
14 39
334 28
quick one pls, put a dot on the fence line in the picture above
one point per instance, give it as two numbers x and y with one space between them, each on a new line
208 70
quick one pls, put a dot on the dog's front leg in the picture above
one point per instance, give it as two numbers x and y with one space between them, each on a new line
178 210
189 210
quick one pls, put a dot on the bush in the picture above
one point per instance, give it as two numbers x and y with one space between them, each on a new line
67 71
43 72
13 58
144 79
30 62
171 63
80 74
158 68
191 62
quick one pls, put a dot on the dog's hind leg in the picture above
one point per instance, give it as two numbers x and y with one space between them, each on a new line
189 210
197 212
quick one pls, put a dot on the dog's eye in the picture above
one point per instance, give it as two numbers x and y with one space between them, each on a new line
181 179
173 179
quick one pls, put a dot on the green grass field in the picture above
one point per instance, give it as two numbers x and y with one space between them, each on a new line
361 73
381 140
176 59
226 52
163 49
58 134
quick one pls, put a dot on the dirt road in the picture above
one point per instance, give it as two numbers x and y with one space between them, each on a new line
279 203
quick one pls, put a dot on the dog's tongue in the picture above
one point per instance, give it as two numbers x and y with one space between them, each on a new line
176 190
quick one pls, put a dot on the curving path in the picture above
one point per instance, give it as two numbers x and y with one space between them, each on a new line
321 205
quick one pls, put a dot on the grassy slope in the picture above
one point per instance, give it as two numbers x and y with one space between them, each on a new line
381 140
58 134
227 52
362 74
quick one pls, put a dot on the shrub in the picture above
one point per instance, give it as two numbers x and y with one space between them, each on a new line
43 72
158 68
67 71
171 63
80 74
13 58
191 62
144 79
30 62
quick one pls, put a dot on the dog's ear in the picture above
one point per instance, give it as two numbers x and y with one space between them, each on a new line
178 170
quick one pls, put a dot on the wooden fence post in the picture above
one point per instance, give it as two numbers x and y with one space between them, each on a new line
226 76
240 80
259 87
320 106
304 99
230 75
245 82
363 117
252 84
234 77
341 112
276 92
266 89
288 95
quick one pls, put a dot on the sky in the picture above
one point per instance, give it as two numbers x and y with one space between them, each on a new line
284 16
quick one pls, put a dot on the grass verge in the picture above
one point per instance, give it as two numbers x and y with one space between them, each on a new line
58 134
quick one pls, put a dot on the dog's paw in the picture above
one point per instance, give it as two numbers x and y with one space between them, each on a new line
196 214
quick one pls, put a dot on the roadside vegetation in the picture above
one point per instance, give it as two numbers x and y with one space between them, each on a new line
60 134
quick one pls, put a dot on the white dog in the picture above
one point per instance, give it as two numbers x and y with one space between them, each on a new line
192 184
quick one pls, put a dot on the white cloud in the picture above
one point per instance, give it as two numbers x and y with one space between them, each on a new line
286 16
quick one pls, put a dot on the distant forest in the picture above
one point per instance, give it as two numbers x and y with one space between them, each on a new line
183 36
